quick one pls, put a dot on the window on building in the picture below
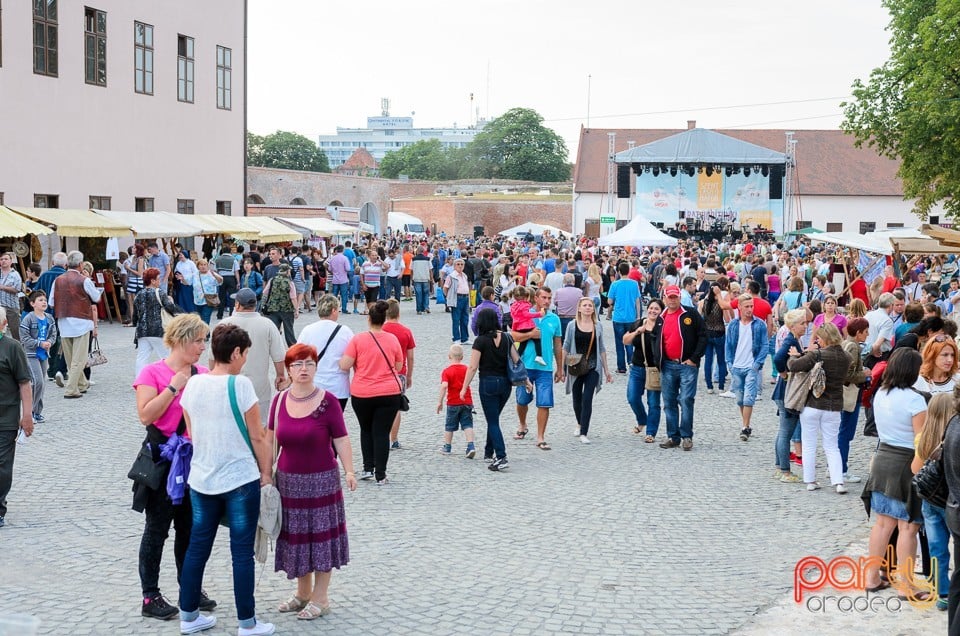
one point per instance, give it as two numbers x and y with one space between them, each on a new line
834 227
143 204
184 206
298 201
99 202
802 225
45 37
143 58
184 69
867 226
95 46
1 198
224 77
894 225
46 200
223 208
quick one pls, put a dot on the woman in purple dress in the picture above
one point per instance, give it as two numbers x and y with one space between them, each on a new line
308 424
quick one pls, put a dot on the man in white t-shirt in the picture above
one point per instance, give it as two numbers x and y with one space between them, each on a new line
330 339
880 335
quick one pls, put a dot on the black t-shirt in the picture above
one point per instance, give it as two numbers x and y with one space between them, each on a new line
638 358
759 274
581 341
493 359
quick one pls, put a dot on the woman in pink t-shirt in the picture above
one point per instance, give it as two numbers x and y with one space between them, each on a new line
158 388
375 357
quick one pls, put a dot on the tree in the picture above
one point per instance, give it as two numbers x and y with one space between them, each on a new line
517 145
285 150
909 108
425 159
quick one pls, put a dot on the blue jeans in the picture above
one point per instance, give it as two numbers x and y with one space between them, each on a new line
461 317
584 388
422 291
563 326
772 348
620 328
494 393
649 417
342 291
241 507
393 287
382 295
205 311
715 348
679 387
938 538
745 385
789 424
848 429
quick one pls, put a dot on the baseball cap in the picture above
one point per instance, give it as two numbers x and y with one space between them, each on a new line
671 290
245 297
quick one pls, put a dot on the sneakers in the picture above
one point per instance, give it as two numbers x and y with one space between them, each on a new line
199 624
584 439
207 604
446 450
39 418
728 394
260 629
777 474
395 445
471 451
813 486
687 444
539 360
745 434
488 460
841 489
790 478
942 603
669 444
380 482
157 607
2 522
59 379
711 391
499 464
798 460
366 475
849 478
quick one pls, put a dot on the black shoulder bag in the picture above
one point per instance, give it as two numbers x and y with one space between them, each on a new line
930 482
404 400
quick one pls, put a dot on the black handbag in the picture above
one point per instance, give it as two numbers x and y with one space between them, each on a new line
404 400
930 482
579 364
146 471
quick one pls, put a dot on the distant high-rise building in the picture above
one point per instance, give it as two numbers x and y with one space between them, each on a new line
385 134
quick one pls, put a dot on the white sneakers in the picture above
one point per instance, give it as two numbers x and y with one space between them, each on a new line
841 489
260 629
813 486
728 394
584 439
851 479
199 624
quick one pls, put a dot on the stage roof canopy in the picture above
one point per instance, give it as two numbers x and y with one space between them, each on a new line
699 145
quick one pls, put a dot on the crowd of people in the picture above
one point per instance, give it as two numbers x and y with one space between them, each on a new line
534 304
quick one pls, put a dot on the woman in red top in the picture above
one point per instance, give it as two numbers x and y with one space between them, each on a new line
858 288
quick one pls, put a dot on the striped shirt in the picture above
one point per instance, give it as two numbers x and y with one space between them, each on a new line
371 273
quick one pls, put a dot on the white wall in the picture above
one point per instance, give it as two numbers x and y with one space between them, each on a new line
62 136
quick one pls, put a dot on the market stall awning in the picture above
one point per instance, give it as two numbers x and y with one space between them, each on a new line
154 224
232 226
14 225
76 223
320 227
272 230
942 234
903 240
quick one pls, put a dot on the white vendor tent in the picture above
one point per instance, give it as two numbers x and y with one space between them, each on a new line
536 229
320 226
154 224
887 242
637 233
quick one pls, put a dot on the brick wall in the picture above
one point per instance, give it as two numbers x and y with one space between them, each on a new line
459 216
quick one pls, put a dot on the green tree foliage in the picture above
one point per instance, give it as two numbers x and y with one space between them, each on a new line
910 108
517 145
285 150
426 159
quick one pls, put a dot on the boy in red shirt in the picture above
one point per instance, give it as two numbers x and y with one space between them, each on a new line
459 412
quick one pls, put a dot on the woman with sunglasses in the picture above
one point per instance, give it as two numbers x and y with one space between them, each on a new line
308 424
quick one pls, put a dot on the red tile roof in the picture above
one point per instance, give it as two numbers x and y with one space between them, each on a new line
827 161
360 158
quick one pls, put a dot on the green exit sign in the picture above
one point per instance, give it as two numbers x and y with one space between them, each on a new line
608 219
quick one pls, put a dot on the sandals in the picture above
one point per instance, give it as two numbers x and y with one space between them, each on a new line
649 439
637 430
544 446
292 604
521 434
312 611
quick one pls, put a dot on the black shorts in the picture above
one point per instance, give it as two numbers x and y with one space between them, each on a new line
371 294
406 280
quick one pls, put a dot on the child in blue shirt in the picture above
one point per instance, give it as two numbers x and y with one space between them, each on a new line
38 332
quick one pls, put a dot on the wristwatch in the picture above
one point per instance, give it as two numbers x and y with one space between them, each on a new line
172 389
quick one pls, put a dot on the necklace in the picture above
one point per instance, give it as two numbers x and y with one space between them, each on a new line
305 398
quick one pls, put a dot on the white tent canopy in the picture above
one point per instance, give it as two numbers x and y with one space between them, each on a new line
536 229
904 240
637 233
154 224
320 226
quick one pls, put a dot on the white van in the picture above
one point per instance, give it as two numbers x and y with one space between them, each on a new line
405 223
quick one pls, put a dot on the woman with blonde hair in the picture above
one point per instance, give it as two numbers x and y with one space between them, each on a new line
856 309
584 338
205 288
940 412
593 283
820 417
938 373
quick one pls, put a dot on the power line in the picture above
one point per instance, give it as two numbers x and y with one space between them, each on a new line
705 108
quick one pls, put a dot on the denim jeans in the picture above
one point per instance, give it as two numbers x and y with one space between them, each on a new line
848 429
460 317
745 385
636 387
494 393
772 348
393 287
715 349
205 311
620 328
159 514
422 291
563 326
789 424
938 538
241 507
679 387
584 388
342 291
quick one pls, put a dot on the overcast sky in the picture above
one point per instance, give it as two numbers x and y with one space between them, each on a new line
314 66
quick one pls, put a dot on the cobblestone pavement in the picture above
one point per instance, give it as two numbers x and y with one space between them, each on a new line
618 537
